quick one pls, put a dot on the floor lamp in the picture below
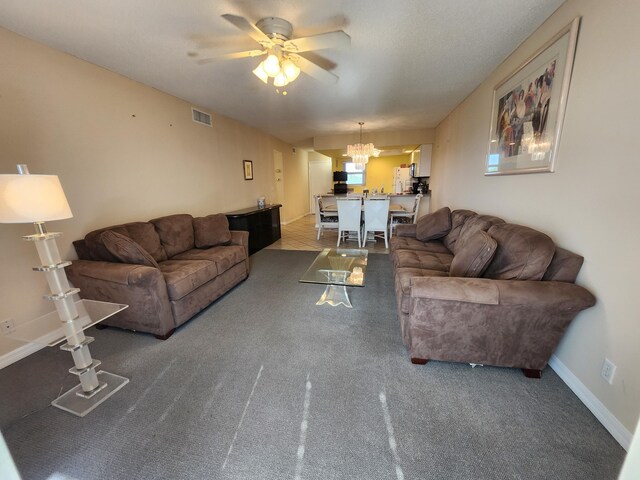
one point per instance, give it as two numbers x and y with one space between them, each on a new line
26 198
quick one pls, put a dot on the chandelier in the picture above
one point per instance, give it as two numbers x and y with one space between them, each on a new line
360 152
278 65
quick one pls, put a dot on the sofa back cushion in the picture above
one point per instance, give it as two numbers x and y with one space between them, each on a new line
522 254
211 231
474 224
564 266
474 256
175 232
458 219
434 225
143 233
126 250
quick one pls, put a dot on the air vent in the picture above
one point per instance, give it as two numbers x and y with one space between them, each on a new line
201 117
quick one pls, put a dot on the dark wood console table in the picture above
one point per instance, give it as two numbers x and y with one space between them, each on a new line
263 225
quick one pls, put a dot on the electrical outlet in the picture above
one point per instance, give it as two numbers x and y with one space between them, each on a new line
7 326
608 370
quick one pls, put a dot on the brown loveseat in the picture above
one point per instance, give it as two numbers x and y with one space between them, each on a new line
166 270
473 288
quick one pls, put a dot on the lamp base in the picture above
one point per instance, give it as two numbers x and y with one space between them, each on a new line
75 401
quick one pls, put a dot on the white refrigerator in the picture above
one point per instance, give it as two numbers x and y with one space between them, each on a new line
402 180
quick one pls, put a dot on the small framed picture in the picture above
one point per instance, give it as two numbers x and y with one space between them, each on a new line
248 169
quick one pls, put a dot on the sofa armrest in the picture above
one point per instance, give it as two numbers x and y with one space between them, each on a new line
509 323
406 230
533 294
240 237
121 273
142 288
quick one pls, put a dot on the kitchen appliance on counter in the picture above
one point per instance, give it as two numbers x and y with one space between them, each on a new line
420 186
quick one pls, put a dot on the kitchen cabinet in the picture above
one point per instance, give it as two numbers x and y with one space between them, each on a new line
422 158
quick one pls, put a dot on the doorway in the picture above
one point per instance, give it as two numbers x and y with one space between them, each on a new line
320 179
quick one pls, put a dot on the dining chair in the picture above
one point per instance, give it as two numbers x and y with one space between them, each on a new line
408 216
349 213
376 219
324 219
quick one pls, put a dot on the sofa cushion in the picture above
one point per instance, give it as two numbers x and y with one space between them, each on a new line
474 224
411 243
403 278
184 276
143 233
474 256
434 225
564 266
458 219
224 257
95 246
522 254
424 260
126 250
211 230
175 232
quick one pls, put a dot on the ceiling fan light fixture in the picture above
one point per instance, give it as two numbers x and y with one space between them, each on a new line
260 73
290 69
272 65
280 80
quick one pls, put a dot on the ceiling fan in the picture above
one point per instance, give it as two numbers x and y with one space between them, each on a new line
283 64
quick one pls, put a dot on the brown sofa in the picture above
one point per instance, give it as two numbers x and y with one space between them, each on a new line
472 288
166 270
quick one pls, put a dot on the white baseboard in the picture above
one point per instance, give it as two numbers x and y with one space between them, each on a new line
294 219
18 354
602 413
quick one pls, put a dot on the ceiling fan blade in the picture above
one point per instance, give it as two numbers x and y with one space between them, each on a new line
248 28
245 54
248 53
337 39
315 71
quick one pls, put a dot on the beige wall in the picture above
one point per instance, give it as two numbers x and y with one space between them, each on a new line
123 152
590 204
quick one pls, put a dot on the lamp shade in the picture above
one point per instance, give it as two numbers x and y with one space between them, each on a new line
32 198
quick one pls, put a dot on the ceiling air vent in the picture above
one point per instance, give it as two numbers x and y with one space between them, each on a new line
201 117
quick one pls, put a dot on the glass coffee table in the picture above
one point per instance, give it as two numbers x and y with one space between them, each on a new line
337 268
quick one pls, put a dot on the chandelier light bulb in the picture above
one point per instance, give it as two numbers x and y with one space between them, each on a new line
260 73
290 69
272 65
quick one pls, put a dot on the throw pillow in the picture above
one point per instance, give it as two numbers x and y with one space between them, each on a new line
473 257
211 231
126 250
434 225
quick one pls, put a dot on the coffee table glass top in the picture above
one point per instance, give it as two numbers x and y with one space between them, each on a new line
338 266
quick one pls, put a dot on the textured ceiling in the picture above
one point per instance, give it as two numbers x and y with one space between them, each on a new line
410 61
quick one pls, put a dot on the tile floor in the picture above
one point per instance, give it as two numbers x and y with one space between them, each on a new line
301 235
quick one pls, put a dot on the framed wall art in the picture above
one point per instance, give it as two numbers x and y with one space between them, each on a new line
528 109
248 169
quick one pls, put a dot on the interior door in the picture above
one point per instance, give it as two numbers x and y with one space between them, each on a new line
320 179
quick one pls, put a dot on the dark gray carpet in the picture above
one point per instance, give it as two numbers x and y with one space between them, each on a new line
264 384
